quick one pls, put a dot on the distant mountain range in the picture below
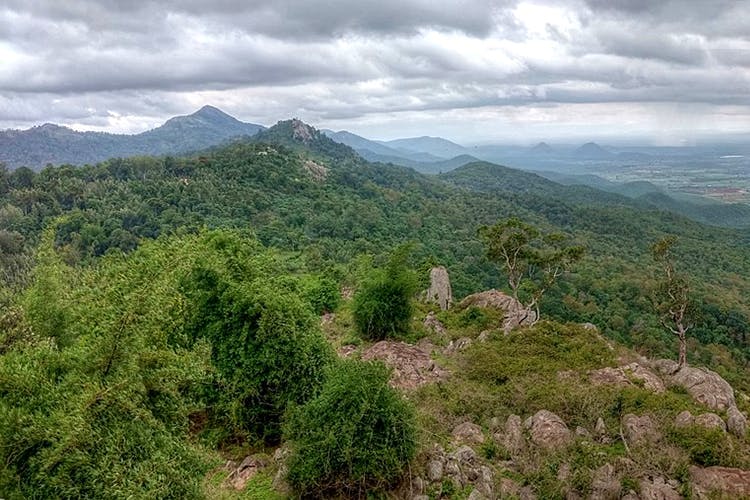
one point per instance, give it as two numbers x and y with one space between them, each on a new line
48 143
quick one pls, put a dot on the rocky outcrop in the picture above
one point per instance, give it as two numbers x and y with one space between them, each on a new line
440 288
640 430
512 439
547 430
463 468
515 313
317 171
468 433
736 422
432 323
706 387
240 474
412 367
605 484
657 488
705 420
719 482
632 374
710 421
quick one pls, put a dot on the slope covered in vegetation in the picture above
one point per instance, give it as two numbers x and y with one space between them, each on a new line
160 313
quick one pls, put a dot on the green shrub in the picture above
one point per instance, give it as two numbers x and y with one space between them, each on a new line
266 347
322 293
706 446
358 435
383 304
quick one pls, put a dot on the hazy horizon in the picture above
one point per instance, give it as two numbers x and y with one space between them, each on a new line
472 71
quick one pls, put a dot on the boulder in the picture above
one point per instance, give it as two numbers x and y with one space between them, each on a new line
723 482
440 288
657 488
665 366
547 430
710 421
736 422
247 469
684 419
605 483
640 430
435 470
468 433
706 387
515 313
513 439
412 367
432 323
628 375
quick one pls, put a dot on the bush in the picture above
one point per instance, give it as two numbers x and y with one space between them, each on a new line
383 304
358 435
322 293
267 350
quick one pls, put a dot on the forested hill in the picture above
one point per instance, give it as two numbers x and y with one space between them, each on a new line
297 190
53 144
168 321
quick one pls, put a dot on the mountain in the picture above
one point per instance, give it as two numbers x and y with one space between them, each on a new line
592 151
436 146
541 149
49 143
376 151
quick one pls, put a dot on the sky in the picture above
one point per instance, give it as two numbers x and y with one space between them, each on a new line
474 71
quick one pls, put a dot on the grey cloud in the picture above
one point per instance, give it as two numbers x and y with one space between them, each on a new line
79 60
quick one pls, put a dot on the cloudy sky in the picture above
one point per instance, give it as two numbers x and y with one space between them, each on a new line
668 72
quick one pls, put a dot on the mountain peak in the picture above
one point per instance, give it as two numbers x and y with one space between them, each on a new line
542 148
592 150
209 111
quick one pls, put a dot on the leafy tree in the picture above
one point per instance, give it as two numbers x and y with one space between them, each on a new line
383 304
672 298
357 436
531 260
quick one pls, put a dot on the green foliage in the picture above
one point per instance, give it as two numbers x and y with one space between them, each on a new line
266 347
356 436
532 261
545 348
383 304
323 294
706 446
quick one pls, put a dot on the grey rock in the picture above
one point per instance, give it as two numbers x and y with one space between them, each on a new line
706 387
432 323
657 488
639 430
469 433
605 484
547 430
435 470
736 422
684 419
710 421
440 288
514 441
719 482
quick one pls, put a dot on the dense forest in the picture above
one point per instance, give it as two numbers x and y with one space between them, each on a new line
158 309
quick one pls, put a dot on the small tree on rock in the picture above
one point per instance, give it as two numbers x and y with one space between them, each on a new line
672 296
531 260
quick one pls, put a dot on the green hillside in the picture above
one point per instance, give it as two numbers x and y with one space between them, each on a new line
172 303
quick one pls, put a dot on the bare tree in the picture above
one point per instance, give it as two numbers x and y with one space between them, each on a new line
672 296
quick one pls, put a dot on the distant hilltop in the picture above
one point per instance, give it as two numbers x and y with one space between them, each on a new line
49 143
